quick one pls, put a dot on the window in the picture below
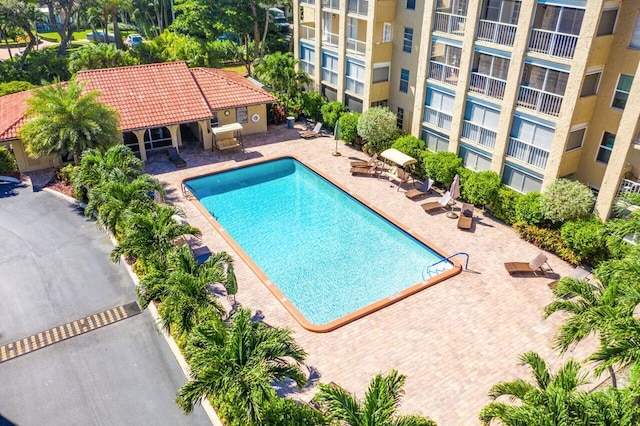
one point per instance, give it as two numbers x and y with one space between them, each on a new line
307 60
400 118
438 109
474 160
576 137
411 4
635 37
241 115
480 124
435 141
355 77
532 133
404 81
380 73
157 138
606 146
384 103
408 40
622 91
214 120
607 22
590 84
520 180
329 68
387 30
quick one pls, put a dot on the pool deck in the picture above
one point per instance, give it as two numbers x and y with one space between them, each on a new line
453 340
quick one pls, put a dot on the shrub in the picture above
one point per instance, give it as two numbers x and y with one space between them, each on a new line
378 127
286 412
586 237
279 113
221 52
15 87
65 174
312 103
617 229
565 200
503 206
8 164
481 188
331 112
410 145
529 209
546 239
349 126
442 166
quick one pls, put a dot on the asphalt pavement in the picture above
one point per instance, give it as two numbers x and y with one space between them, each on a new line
55 268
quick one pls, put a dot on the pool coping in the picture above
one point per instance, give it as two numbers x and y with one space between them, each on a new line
284 301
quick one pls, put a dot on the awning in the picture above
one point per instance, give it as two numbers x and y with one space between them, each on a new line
400 158
233 127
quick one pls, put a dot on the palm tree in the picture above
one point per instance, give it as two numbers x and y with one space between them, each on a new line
93 56
149 236
118 163
63 120
550 400
277 71
238 362
378 408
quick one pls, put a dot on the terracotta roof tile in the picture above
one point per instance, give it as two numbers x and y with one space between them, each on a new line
12 109
226 89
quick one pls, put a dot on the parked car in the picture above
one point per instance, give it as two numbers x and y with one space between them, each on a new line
133 40
99 36
280 19
228 36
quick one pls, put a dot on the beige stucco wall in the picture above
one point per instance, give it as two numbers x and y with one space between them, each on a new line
29 164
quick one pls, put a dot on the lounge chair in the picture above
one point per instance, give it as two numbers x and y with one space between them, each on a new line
424 189
309 134
442 203
369 163
368 171
465 219
533 267
175 158
579 273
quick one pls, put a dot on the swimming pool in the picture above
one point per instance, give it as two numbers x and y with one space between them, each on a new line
326 256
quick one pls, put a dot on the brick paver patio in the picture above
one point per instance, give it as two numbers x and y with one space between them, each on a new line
453 341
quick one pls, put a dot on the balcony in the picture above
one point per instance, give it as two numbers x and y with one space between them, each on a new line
331 4
437 118
488 86
449 23
627 185
445 73
353 85
356 46
329 76
496 32
539 101
478 134
307 33
359 7
330 39
553 43
308 67
527 153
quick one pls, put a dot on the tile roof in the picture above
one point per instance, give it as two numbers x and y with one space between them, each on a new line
226 89
152 95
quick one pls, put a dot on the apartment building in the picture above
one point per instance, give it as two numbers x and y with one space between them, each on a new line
533 90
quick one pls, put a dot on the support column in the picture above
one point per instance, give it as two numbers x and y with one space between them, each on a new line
176 139
140 136
207 136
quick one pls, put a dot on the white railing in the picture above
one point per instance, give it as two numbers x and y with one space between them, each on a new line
540 101
449 23
552 43
627 185
437 118
496 32
308 67
444 73
330 39
307 33
360 7
331 4
309 2
527 153
356 46
478 134
329 76
488 86
354 85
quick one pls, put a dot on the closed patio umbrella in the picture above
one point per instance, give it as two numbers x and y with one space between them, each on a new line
455 187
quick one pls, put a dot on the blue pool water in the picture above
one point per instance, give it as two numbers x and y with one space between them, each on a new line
327 252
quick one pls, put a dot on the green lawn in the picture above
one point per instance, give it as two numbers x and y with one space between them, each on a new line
238 69
54 36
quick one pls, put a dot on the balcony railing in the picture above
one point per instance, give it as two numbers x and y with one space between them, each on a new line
527 153
478 134
360 7
331 4
330 39
307 33
540 101
627 185
488 86
437 118
308 2
449 23
444 73
329 76
354 85
308 67
497 32
552 43
356 46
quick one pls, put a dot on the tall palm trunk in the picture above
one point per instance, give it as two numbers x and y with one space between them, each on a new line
116 29
105 15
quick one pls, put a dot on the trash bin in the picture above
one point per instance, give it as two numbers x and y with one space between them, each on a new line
290 121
